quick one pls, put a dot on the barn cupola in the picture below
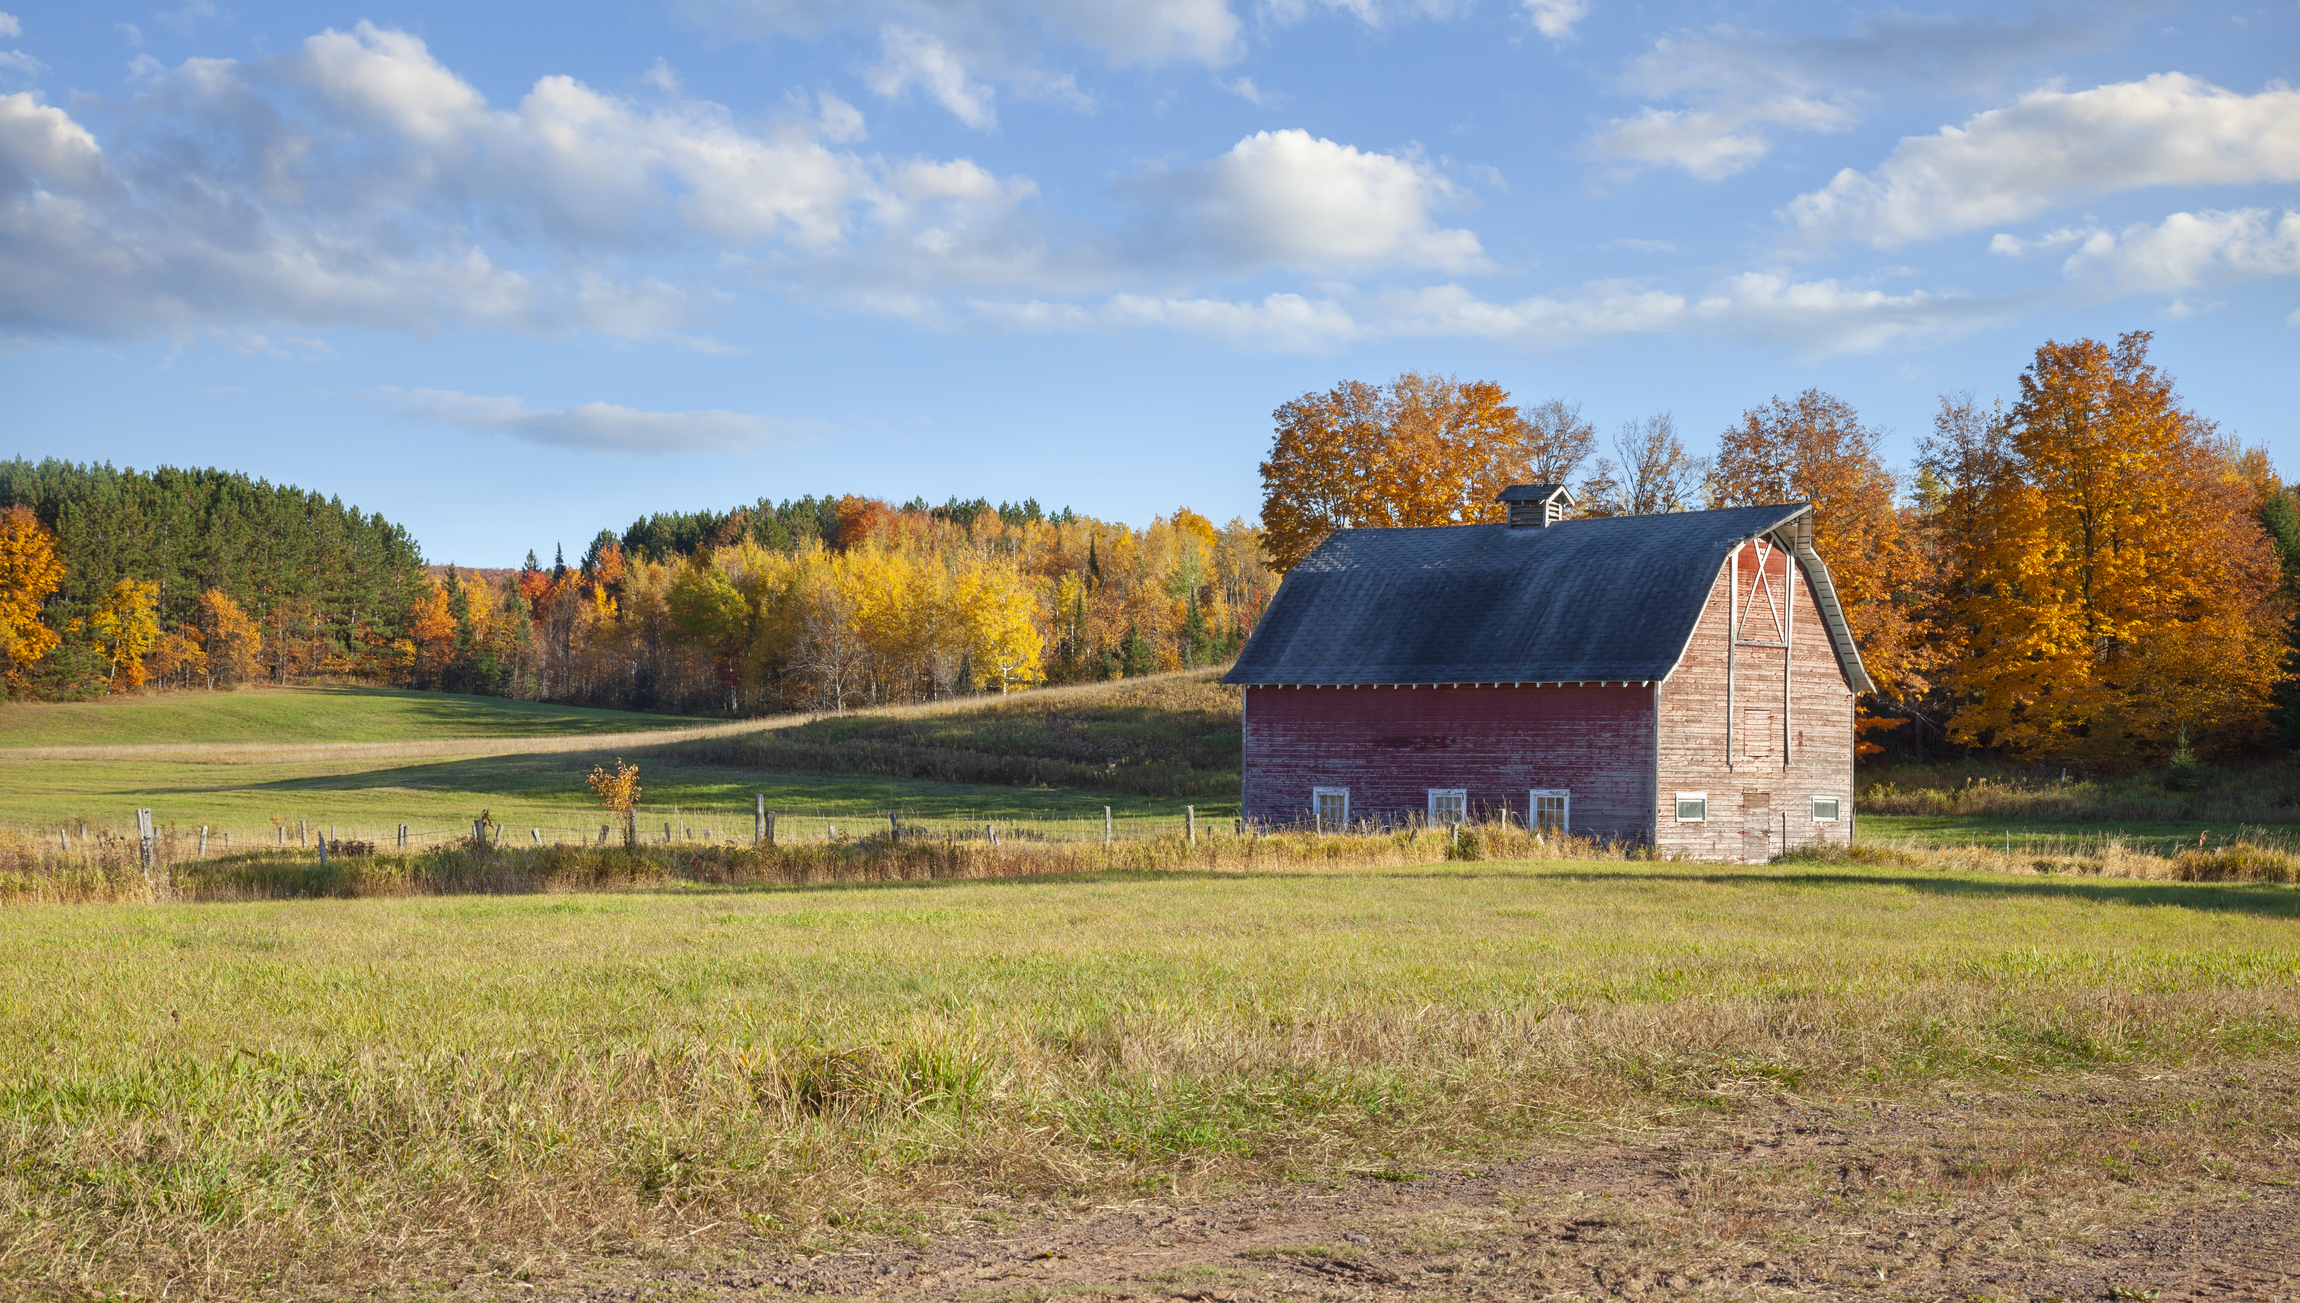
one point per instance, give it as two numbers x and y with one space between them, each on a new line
1536 506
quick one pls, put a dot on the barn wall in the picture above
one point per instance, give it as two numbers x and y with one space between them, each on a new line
1747 801
1389 746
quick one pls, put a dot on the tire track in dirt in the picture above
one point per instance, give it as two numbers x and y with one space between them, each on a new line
2012 1195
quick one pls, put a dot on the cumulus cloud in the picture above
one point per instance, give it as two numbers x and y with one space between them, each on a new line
2057 147
1291 199
910 58
1555 18
2183 252
356 180
10 25
1742 87
589 427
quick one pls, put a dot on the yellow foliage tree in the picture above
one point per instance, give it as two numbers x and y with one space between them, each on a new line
618 790
30 570
124 626
2112 591
1006 646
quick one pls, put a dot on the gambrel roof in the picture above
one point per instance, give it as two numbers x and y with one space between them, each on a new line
1612 599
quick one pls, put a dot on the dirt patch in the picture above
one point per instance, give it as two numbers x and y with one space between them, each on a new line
2164 1186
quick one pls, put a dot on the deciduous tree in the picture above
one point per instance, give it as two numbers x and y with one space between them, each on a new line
124 627
1814 448
30 571
2116 589
1421 450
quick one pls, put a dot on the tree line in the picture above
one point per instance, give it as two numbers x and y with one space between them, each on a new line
108 577
111 581
827 603
2092 573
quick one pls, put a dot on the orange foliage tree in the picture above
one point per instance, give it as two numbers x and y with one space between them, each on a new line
2108 589
1420 450
1815 449
31 568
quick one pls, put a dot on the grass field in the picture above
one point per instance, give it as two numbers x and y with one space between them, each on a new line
303 715
278 1099
465 756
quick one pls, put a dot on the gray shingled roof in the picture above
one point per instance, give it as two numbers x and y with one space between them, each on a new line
1608 599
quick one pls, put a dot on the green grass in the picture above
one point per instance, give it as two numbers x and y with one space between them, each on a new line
368 798
1171 735
393 1090
296 715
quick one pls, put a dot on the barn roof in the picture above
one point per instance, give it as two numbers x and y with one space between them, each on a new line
1608 599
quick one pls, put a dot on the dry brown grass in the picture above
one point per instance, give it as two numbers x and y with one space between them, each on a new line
2238 861
111 871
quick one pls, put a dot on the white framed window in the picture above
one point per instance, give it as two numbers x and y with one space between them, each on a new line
1551 809
1332 808
1692 807
1448 805
1824 809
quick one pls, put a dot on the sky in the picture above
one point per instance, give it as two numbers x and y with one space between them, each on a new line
510 273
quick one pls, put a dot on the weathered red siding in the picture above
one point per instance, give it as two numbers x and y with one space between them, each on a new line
1390 745
1760 797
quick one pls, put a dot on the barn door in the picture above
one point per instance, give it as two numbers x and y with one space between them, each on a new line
1756 825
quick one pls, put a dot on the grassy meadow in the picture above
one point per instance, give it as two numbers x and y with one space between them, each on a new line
1134 746
303 715
278 1098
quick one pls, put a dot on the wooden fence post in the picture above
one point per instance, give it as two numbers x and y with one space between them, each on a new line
323 852
302 832
770 823
1106 829
403 836
759 819
1190 822
479 833
144 839
203 841
894 827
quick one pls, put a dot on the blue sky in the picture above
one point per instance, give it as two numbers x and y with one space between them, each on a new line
508 273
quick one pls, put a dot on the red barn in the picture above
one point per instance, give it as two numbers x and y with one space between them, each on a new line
1684 681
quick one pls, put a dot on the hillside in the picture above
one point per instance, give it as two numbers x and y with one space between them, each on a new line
303 715
1168 735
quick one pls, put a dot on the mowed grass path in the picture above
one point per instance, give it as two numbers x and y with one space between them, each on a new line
304 715
248 1099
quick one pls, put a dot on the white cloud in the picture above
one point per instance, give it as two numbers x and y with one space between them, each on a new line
2057 147
10 25
356 180
2185 251
1641 246
591 427
1290 199
1744 86
910 58
1814 318
1555 18
1713 144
